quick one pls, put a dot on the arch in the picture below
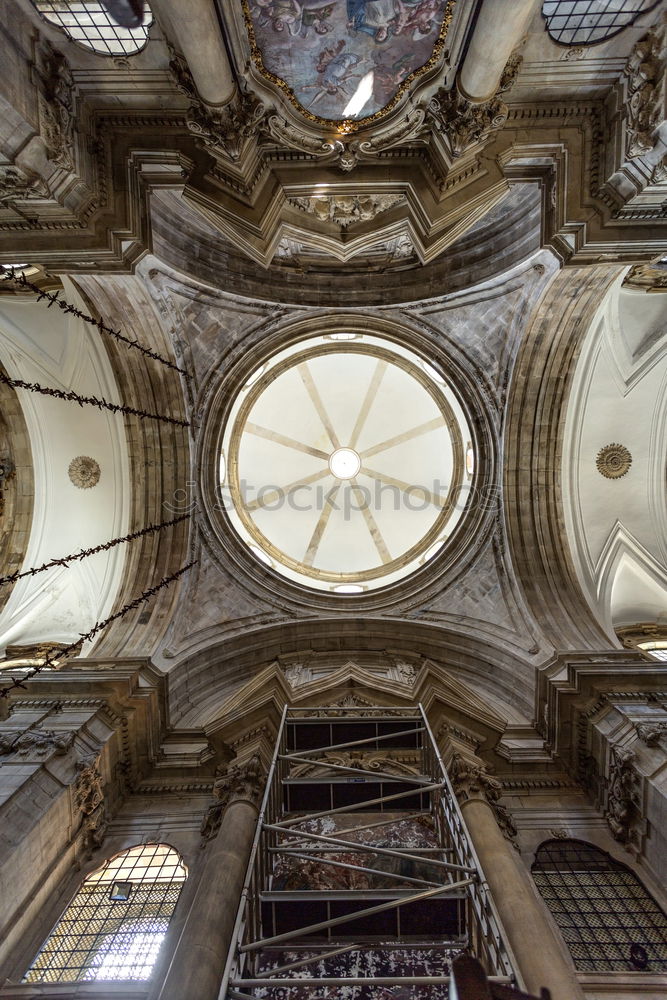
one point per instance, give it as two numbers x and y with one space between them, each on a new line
608 920
88 23
115 924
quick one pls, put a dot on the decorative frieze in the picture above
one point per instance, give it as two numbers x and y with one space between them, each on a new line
345 210
36 743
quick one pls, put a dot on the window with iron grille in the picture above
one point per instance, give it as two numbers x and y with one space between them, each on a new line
114 926
88 23
584 22
608 920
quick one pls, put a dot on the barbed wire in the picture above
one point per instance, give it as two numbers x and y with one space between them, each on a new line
84 553
60 654
54 299
101 404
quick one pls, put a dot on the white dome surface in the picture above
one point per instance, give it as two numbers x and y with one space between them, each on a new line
343 462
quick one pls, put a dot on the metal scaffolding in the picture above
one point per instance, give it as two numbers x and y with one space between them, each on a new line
370 914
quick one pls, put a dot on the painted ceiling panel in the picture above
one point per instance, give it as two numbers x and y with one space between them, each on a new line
346 59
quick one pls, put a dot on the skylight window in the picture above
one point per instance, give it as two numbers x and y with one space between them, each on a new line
585 22
88 23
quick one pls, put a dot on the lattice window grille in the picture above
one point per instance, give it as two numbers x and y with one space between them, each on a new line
584 22
608 920
88 23
100 937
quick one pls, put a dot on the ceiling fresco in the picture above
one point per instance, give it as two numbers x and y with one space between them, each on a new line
346 60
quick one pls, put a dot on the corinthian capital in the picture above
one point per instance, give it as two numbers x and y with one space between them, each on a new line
240 782
471 780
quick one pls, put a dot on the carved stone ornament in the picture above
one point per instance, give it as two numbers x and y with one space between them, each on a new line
464 123
405 673
84 472
240 782
344 210
39 743
93 830
649 277
471 780
621 811
222 130
42 742
56 104
88 790
613 461
651 733
296 674
18 185
647 81
361 760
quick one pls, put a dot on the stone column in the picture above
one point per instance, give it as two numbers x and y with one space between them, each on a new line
539 950
498 30
194 30
199 958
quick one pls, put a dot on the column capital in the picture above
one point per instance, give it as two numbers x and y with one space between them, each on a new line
471 781
240 782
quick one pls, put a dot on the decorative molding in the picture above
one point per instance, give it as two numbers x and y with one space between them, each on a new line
631 635
613 461
84 472
349 126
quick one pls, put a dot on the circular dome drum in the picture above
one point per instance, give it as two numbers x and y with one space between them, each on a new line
343 463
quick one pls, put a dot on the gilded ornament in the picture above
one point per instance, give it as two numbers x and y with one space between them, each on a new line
347 126
613 461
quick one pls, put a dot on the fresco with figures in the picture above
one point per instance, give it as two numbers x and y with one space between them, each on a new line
346 59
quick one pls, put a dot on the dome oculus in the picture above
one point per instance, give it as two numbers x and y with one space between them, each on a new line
345 461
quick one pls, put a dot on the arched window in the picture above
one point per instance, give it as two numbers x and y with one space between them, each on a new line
88 23
608 920
584 22
114 926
